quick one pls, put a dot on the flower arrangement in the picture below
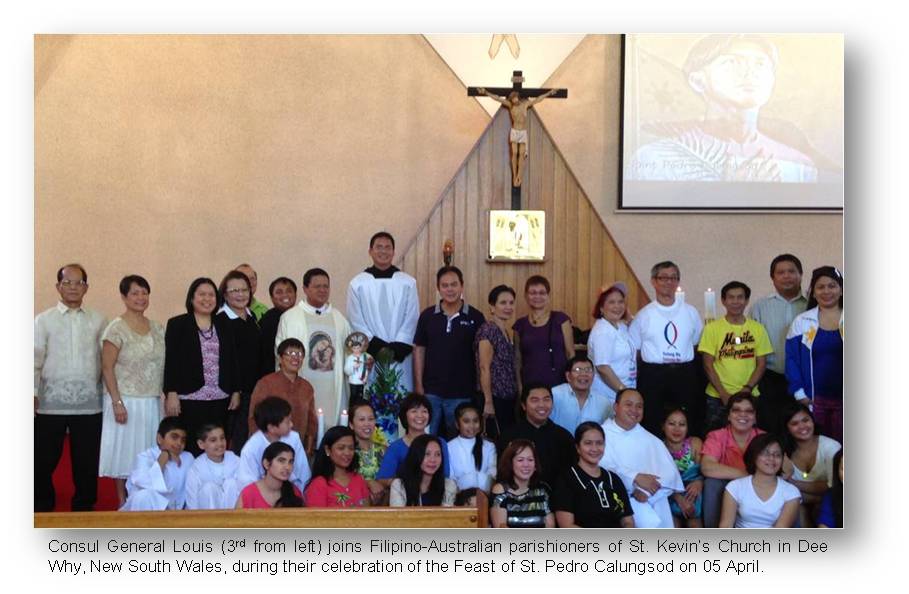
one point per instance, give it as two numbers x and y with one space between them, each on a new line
385 393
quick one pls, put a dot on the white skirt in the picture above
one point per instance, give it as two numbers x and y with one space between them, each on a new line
120 444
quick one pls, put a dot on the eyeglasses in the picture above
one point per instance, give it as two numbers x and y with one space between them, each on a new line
293 353
742 411
582 369
72 283
771 455
666 279
241 290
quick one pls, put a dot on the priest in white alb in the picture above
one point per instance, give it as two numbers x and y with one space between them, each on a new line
642 461
323 331
382 303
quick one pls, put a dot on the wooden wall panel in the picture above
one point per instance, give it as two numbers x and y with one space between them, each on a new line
581 255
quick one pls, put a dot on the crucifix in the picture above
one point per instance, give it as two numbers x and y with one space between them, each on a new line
517 100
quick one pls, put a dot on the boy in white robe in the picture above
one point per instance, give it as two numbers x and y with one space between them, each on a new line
211 482
383 304
272 417
158 477
642 462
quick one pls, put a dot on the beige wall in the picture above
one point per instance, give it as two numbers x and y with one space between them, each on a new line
711 249
180 156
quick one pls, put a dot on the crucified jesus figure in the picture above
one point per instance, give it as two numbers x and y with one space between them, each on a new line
517 107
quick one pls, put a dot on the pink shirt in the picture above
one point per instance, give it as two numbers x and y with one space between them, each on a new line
328 493
252 497
721 444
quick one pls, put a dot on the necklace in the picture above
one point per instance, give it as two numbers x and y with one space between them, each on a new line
539 320
207 334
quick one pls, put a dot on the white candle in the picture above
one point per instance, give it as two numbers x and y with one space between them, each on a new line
710 304
343 422
679 295
321 430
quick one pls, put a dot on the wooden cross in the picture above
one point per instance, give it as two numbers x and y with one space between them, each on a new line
518 146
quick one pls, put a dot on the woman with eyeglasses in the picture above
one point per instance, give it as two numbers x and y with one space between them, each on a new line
201 380
762 499
236 293
544 339
286 383
723 454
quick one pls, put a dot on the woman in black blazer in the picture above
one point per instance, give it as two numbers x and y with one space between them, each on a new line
200 363
235 290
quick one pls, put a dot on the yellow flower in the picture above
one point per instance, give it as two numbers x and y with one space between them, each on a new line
378 438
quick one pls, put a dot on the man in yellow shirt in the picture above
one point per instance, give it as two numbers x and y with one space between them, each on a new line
734 349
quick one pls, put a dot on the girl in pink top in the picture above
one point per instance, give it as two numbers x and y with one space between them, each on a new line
275 488
335 481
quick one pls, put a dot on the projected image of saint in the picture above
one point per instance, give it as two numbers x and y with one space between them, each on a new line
734 76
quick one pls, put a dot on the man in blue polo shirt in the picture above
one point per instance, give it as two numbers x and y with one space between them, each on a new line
443 361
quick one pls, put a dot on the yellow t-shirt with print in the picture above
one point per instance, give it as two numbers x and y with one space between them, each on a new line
735 349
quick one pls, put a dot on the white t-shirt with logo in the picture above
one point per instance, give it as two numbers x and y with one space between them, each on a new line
666 334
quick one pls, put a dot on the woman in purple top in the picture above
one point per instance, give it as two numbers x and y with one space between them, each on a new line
544 340
200 363
497 377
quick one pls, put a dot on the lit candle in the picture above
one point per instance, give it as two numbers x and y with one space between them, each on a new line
679 295
343 422
321 430
710 304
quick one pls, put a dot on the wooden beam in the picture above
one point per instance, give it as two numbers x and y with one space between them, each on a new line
376 517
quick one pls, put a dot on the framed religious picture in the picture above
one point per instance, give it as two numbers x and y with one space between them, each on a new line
517 235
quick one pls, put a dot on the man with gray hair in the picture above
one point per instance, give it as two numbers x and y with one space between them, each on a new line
68 391
666 333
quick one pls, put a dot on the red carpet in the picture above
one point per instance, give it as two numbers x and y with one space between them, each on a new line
63 484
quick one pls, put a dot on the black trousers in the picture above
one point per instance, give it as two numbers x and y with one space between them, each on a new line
85 447
238 432
196 413
506 415
674 384
774 399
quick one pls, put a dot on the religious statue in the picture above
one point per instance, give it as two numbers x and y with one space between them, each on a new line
517 107
357 364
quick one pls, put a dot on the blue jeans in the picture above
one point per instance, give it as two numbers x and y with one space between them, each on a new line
444 408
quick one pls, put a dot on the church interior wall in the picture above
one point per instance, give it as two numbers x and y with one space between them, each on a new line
182 156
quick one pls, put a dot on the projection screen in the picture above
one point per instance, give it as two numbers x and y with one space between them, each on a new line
733 121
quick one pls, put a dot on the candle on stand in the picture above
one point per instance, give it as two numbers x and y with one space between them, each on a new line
679 295
343 422
321 430
710 304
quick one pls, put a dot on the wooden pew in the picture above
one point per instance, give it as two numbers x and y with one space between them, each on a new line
375 517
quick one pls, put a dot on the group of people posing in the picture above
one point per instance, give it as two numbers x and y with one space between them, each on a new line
660 421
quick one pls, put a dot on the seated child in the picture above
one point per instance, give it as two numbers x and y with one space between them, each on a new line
473 459
211 482
335 481
274 489
272 417
157 479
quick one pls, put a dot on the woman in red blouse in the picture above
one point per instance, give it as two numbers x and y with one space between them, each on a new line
335 481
